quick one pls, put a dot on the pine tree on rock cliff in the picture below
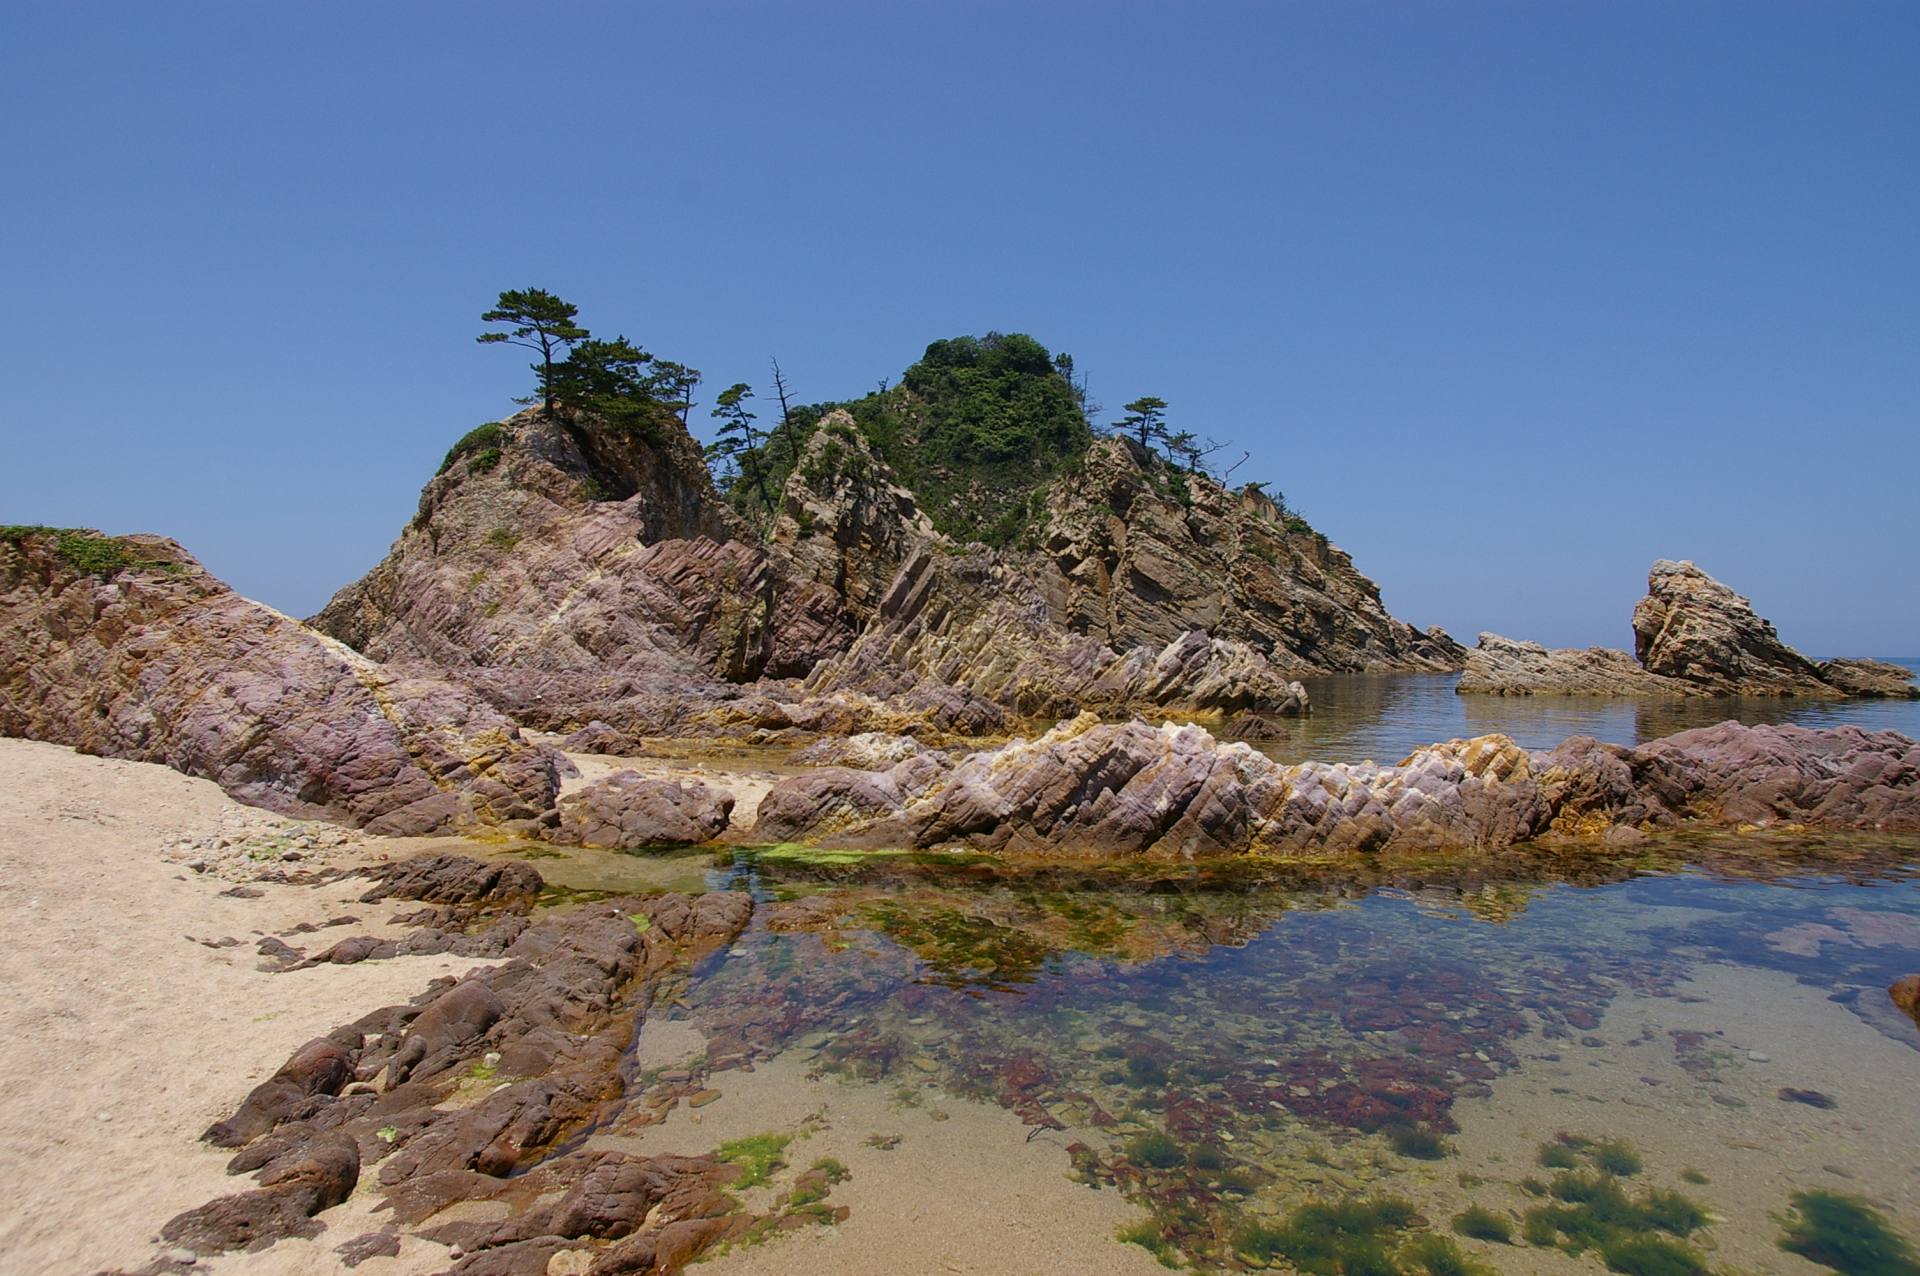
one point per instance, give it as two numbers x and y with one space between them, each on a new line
540 321
738 446
673 384
1146 420
606 379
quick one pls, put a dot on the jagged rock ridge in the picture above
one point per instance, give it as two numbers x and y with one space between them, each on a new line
570 598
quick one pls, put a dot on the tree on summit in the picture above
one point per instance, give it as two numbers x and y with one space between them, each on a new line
539 321
1146 420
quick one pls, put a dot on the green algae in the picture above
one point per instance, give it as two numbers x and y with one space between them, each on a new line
1483 1224
757 1157
1146 1234
1156 1151
1417 1142
1439 1256
1332 1238
1847 1234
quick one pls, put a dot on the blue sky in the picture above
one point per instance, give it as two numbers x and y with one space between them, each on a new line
1510 299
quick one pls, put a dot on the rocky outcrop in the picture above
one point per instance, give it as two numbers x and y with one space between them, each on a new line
1693 636
1092 788
467 1094
846 524
573 574
1134 553
627 811
1503 667
126 647
973 622
868 751
580 562
1874 679
1692 627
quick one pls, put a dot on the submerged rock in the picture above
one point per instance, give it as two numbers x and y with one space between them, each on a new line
139 653
1093 788
1693 636
1905 994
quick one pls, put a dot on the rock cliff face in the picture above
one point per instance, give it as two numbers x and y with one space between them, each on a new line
574 578
1693 636
1137 554
128 648
1088 788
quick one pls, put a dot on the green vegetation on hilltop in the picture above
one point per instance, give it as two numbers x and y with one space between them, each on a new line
976 428
84 551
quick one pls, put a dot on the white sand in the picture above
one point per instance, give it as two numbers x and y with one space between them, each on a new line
120 1038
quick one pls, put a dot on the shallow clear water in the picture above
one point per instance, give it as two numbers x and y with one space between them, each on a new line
1224 1043
1630 1060
1385 717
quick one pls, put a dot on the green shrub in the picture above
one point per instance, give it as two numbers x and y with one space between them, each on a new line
480 439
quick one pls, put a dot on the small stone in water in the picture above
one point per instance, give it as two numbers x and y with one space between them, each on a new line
701 1098
1759 1056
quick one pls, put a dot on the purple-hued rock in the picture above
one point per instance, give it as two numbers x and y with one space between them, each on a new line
155 660
627 810
1092 788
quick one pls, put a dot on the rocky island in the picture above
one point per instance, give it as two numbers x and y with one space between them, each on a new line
1693 636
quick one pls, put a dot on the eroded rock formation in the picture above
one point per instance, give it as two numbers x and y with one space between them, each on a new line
1090 788
1693 636
1136 555
573 578
139 653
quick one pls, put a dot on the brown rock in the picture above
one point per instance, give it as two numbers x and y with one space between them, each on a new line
1906 995
321 1067
1870 679
1503 667
1692 627
159 662
626 811
1092 788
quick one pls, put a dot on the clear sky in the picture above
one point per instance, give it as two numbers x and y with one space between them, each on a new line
1510 299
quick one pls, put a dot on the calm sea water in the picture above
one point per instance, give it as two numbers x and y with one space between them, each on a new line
1640 1064
1385 717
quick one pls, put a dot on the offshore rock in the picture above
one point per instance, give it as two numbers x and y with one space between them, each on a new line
1092 788
626 811
155 660
1693 636
1874 679
1500 666
1691 626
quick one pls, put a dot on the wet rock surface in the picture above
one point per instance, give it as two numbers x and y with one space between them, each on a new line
626 810
1693 636
471 1092
156 661
1093 788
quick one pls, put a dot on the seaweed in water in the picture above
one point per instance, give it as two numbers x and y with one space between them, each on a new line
1845 1233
